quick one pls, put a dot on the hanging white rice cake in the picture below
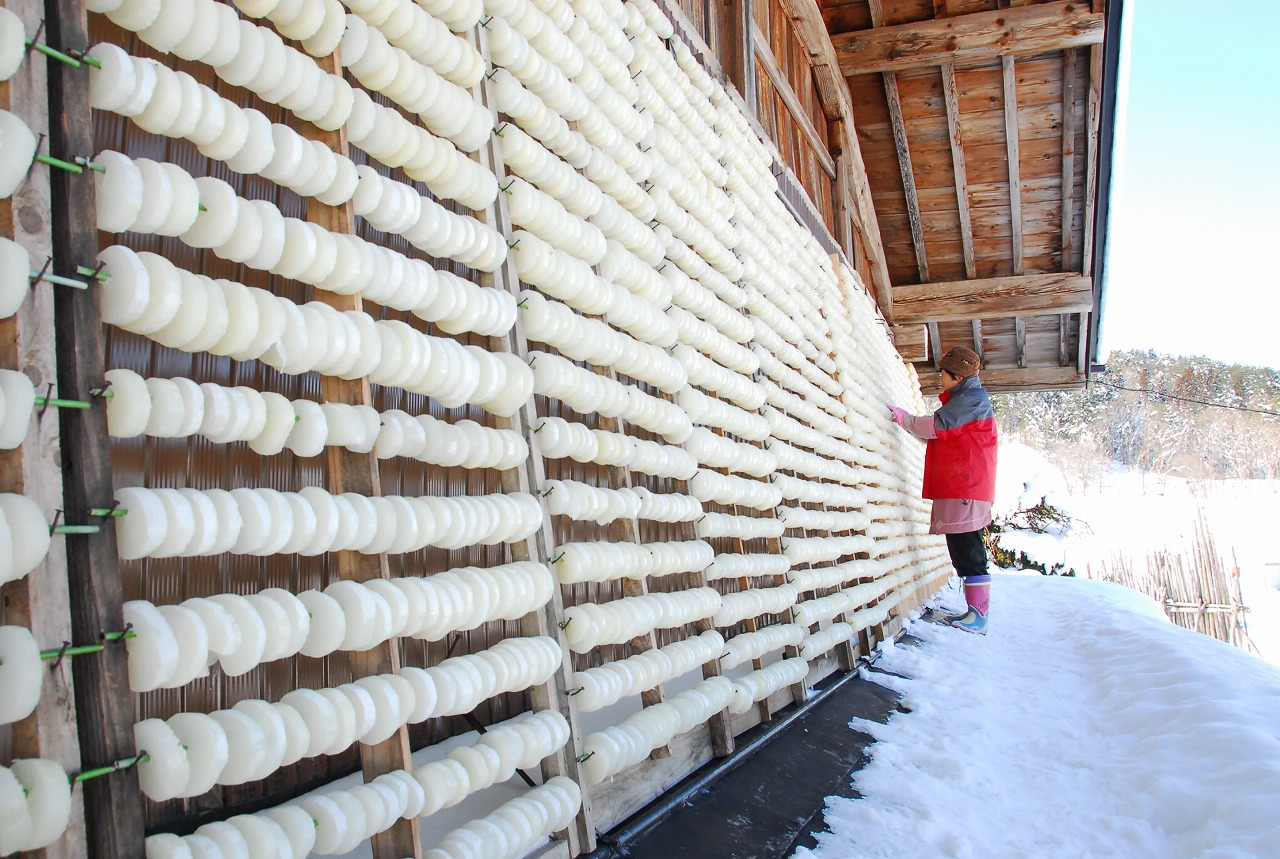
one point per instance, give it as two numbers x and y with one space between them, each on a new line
29 535
21 673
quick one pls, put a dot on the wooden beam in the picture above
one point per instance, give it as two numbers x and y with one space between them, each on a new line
811 32
1064 334
911 341
977 340
951 98
105 715
1094 120
1010 380
760 44
935 344
993 298
1015 167
739 51
1020 339
908 174
973 38
1068 155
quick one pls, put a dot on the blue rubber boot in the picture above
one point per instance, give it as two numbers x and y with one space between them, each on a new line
977 593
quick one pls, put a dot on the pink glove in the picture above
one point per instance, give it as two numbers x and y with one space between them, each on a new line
899 415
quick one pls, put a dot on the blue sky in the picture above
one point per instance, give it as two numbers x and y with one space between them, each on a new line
1195 218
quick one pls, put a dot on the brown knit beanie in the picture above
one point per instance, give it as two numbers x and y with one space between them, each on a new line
961 361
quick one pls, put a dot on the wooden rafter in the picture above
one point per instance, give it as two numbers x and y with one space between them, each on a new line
951 97
1068 189
993 298
812 34
903 150
1011 379
976 37
908 173
760 45
1015 168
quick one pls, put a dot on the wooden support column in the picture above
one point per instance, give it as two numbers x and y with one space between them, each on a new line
935 344
1093 119
1015 169
113 805
977 340
358 472
1020 338
40 601
1069 129
840 195
552 695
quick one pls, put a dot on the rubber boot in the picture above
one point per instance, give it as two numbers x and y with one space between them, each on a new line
977 593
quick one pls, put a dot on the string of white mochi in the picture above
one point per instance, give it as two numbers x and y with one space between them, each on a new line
591 340
597 688
622 746
21 673
262 521
24 536
719 452
560 439
585 392
191 752
602 561
35 794
409 26
515 827
814 549
591 624
747 646
736 566
729 489
820 642
502 749
753 603
746 527
708 411
584 502
763 682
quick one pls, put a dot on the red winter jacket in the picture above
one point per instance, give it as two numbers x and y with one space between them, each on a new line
961 461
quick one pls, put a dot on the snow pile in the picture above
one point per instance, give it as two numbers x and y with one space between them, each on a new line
1084 725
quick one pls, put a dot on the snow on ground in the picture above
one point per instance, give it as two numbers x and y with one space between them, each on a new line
1083 726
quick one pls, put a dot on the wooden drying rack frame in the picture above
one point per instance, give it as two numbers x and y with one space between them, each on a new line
86 717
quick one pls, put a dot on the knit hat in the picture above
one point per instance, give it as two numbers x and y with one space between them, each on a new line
961 361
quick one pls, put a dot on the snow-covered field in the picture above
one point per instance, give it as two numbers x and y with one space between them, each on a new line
1133 514
1083 725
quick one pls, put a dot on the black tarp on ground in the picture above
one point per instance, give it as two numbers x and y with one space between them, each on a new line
773 801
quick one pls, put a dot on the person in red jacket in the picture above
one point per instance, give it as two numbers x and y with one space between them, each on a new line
960 475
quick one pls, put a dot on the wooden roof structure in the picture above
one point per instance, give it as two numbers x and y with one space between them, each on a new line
980 124
958 153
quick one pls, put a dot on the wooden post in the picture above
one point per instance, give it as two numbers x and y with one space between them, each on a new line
552 695
740 55
40 601
104 704
358 472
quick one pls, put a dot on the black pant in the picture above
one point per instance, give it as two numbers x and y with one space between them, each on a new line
968 554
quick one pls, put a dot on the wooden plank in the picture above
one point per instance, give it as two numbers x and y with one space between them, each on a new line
1020 338
358 472
977 340
1015 174
841 201
1068 155
811 31
976 37
740 45
113 805
1064 333
908 174
40 601
911 342
935 343
996 297
763 54
1093 123
952 99
552 695
1009 380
